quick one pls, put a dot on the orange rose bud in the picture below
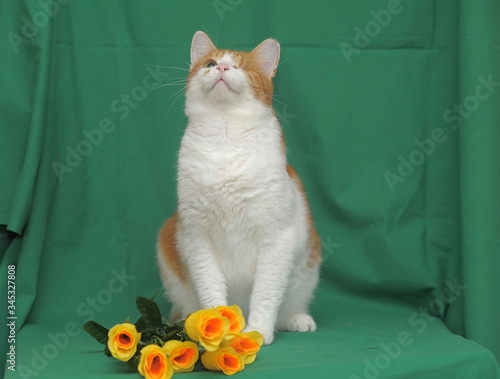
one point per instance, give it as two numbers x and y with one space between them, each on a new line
154 363
225 359
207 327
182 355
123 340
247 345
235 316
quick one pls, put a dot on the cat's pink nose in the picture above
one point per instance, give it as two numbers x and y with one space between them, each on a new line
222 67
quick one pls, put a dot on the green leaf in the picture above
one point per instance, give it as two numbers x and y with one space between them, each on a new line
156 294
166 322
182 336
180 324
98 332
141 345
140 325
133 363
149 311
169 336
157 340
107 351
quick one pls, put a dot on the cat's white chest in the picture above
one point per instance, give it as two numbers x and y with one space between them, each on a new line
233 185
230 162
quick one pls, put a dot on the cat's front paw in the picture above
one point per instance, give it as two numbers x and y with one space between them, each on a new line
267 333
300 322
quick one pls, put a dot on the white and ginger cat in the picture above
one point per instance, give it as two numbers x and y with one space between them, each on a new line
242 232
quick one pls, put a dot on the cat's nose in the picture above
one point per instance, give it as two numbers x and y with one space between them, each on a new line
222 67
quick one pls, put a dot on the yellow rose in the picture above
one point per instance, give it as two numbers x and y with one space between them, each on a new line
235 316
154 363
225 359
207 327
123 340
182 355
247 345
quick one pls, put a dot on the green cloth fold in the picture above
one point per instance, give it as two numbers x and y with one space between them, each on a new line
391 115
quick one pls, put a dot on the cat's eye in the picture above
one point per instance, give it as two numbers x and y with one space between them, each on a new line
210 64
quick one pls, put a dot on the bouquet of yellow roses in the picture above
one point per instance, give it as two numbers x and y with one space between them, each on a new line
157 349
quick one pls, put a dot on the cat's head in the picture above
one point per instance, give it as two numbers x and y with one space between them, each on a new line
227 78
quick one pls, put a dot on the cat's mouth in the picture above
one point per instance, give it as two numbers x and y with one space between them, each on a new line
222 83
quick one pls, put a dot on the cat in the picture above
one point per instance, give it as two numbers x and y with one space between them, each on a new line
242 232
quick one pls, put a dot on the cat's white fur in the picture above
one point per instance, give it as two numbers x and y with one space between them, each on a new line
243 229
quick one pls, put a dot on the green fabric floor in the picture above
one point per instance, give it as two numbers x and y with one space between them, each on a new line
391 115
352 341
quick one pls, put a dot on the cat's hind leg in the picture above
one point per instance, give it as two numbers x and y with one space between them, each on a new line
181 294
293 315
174 274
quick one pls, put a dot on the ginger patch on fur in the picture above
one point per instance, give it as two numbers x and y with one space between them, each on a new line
168 246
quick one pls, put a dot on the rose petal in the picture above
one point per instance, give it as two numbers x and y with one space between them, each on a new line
235 316
225 359
207 327
123 340
182 355
153 363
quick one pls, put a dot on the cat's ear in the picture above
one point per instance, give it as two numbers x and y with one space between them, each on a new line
201 46
268 54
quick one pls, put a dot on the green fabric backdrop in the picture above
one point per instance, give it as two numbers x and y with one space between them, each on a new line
391 115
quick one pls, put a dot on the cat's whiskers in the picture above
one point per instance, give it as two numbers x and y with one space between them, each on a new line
173 68
271 97
184 61
176 92
180 93
178 83
168 67
280 63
